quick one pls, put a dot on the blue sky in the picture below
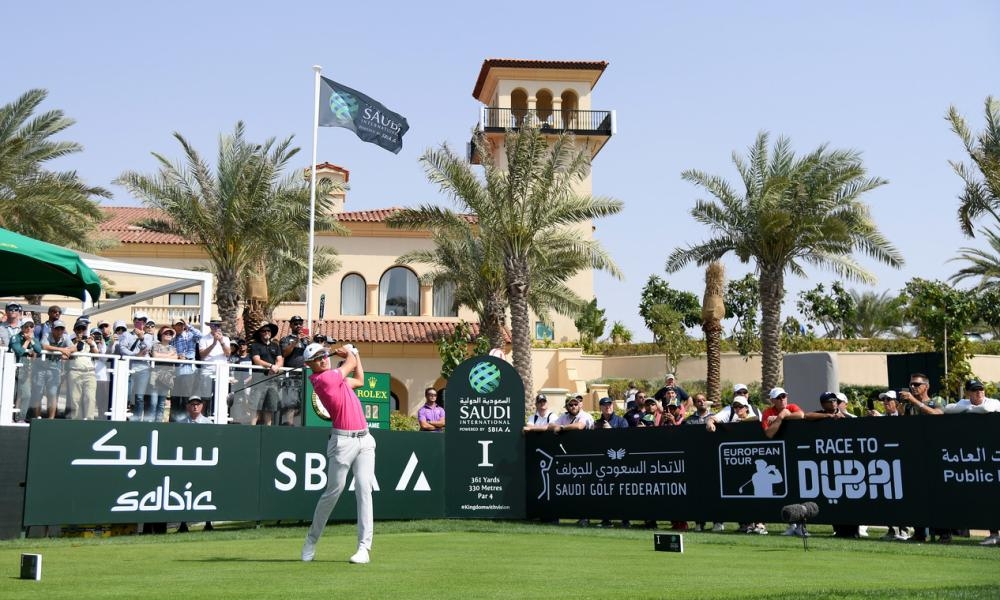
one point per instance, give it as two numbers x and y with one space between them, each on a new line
690 81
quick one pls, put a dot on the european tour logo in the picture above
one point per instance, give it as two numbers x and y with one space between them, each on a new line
753 470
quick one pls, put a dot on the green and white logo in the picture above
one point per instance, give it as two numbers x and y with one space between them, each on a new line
484 377
344 106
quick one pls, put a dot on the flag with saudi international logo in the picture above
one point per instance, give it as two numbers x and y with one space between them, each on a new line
340 106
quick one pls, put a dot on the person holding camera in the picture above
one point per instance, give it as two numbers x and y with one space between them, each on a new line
293 346
136 344
889 404
916 398
26 351
81 385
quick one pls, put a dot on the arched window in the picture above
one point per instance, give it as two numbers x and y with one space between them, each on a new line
444 300
570 109
518 107
543 107
399 293
352 295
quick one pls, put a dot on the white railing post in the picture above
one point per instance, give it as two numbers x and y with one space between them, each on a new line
119 388
8 386
221 416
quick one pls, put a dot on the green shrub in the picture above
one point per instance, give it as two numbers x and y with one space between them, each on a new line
400 422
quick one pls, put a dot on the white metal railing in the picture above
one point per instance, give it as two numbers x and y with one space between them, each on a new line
221 381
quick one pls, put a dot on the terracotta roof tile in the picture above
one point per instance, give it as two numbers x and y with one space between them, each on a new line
121 224
422 331
489 63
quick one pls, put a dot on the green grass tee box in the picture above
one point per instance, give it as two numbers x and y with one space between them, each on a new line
482 559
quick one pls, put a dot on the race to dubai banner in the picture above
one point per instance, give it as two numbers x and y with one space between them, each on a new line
866 470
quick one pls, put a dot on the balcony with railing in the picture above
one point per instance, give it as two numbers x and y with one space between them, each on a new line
580 122
599 124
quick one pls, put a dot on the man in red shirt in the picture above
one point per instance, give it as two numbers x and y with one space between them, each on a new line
780 411
350 445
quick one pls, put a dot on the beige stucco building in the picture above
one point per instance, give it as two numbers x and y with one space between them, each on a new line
383 308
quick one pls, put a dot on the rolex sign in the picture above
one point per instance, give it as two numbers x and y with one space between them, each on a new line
374 396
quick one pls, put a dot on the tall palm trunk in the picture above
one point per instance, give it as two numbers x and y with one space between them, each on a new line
772 292
227 298
712 312
494 315
517 295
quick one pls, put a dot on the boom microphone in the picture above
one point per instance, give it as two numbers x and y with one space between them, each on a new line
799 513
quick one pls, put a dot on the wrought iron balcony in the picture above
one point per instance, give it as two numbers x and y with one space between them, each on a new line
599 125
580 122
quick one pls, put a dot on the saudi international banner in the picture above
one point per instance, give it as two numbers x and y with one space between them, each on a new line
484 458
341 106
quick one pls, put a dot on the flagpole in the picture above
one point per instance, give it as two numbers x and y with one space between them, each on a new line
312 203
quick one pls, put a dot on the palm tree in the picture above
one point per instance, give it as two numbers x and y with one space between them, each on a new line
876 314
242 213
982 264
981 195
525 200
712 312
793 212
52 206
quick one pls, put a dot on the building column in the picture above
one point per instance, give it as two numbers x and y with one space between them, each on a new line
372 302
426 300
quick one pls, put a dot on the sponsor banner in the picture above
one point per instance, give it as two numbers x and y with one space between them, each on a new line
111 472
99 472
374 397
409 475
867 470
484 410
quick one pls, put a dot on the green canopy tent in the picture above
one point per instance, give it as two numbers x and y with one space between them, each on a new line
37 267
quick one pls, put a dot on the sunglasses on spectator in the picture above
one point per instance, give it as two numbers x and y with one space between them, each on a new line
917 383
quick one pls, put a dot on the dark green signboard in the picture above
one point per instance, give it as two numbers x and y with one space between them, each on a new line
868 470
409 475
374 396
484 412
107 472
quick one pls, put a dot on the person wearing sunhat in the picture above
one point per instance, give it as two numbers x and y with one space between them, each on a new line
265 353
350 448
293 347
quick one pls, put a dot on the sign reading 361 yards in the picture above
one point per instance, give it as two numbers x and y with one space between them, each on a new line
484 449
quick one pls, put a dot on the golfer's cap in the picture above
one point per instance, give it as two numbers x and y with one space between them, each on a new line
80 325
120 324
313 351
775 392
95 331
605 401
630 405
740 387
573 400
13 306
140 316
841 397
57 324
540 398
670 376
828 396
194 399
650 402
673 404
180 322
27 322
102 323
889 395
296 319
741 400
150 323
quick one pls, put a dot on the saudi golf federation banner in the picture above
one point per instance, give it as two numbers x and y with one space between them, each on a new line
340 106
484 447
